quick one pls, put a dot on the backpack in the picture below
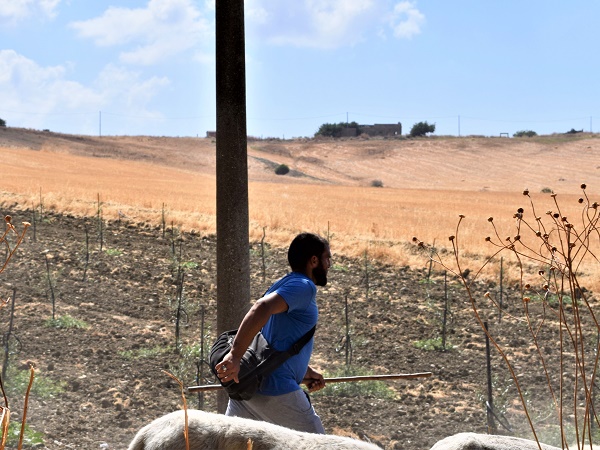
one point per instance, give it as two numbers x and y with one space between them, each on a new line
258 361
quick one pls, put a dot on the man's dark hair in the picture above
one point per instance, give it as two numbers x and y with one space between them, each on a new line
303 247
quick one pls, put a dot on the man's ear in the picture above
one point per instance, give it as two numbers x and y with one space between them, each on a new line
314 262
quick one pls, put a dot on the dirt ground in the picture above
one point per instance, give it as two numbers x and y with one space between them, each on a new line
112 371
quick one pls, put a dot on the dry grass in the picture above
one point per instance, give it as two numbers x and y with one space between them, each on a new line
475 177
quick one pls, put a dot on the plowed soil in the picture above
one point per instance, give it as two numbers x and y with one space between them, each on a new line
111 372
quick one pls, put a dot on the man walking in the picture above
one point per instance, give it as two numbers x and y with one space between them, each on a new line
284 314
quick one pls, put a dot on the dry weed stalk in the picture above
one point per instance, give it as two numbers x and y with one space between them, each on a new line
11 248
186 433
557 311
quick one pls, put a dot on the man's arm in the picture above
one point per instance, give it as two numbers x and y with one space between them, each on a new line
253 321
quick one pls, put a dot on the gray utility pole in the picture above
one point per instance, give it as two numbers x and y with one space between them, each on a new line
233 255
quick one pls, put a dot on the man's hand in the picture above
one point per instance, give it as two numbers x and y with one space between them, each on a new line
313 380
228 369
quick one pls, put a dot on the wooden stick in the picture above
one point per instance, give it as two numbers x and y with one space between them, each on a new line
397 376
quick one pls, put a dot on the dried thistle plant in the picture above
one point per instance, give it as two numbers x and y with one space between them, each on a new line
11 246
556 309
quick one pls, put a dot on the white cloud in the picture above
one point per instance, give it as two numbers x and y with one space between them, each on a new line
16 10
35 95
160 30
310 23
330 24
127 91
406 20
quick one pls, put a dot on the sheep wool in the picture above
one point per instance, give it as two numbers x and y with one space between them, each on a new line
208 431
474 441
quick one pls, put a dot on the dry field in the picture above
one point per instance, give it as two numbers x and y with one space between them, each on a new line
427 183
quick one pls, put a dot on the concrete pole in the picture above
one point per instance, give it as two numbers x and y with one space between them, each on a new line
233 253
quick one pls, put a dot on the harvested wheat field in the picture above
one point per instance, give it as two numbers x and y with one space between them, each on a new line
121 293
427 184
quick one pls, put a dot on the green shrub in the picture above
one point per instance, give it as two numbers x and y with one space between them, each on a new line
421 129
376 183
525 133
2 123
66 322
336 129
432 344
31 438
282 169
17 381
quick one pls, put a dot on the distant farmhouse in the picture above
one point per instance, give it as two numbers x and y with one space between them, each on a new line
378 129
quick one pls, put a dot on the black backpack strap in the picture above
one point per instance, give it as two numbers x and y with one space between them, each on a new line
295 349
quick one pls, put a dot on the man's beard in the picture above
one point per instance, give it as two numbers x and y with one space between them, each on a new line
320 275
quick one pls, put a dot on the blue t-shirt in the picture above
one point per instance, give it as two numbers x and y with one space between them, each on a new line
284 329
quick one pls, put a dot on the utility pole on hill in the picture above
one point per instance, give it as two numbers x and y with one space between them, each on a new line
233 256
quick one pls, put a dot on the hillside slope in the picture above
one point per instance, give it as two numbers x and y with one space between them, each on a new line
467 163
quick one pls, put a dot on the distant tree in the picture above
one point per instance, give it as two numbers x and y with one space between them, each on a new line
421 129
2 123
335 129
525 133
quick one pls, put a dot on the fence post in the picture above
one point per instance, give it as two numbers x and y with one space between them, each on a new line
490 401
501 289
445 319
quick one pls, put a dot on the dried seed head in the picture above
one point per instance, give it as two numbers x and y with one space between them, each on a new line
520 210
517 238
563 218
451 238
527 286
488 239
541 272
462 216
507 239
8 219
556 215
538 234
490 219
526 192
526 299
554 249
553 195
595 205
580 200
414 239
572 245
546 236
583 186
545 287
487 295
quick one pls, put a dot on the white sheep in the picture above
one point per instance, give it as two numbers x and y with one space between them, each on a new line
474 441
209 431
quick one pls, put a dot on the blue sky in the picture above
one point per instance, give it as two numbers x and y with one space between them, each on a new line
146 67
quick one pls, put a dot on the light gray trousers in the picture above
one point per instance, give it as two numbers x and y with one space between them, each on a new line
291 410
